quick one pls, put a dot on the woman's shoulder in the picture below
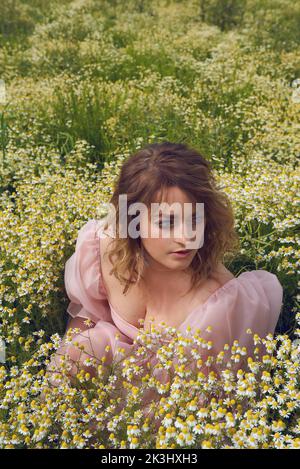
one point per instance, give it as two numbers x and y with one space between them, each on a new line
130 306
83 278
249 293
266 279
94 232
254 293
260 285
250 300
222 275
255 301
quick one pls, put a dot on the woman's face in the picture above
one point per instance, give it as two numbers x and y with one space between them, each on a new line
161 246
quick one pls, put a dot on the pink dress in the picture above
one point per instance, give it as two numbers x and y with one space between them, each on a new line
251 300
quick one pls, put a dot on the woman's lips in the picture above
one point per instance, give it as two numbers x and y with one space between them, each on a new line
180 254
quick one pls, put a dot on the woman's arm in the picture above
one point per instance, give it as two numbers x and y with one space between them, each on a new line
78 323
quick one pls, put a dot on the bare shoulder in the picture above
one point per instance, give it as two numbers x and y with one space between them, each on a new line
222 274
130 306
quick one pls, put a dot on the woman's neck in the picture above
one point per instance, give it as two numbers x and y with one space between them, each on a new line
164 281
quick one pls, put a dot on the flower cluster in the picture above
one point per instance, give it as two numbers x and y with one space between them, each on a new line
84 88
220 403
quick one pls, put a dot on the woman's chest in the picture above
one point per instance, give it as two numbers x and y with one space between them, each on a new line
151 305
174 308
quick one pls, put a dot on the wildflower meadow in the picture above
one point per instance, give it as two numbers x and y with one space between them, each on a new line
84 84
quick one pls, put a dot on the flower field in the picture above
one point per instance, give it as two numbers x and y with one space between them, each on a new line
83 84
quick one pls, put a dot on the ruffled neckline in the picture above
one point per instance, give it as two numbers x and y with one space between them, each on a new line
201 306
232 283
217 292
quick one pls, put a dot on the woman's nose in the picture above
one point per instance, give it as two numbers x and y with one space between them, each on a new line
190 238
182 234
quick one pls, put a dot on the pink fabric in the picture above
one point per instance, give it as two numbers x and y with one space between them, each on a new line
251 300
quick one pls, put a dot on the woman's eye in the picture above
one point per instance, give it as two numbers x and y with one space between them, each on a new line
196 220
165 223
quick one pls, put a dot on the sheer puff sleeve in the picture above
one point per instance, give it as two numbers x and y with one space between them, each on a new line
256 305
253 300
83 279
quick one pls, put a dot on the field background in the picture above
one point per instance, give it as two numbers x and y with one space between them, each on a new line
86 83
